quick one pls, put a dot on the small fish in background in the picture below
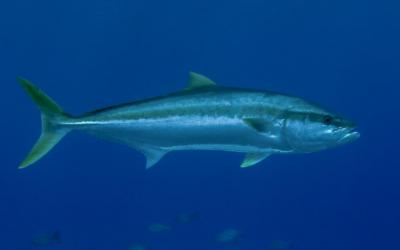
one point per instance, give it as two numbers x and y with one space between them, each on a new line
229 235
159 227
189 217
139 246
280 245
47 239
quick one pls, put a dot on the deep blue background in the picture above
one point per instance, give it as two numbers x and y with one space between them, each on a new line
343 54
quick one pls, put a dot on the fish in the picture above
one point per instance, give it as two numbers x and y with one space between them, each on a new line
47 239
139 246
280 245
202 116
158 227
188 217
229 235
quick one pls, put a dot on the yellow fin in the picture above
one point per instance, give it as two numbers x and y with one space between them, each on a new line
254 158
198 81
52 133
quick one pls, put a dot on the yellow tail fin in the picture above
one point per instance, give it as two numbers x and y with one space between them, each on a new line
52 132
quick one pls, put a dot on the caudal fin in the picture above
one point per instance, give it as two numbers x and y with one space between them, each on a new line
52 133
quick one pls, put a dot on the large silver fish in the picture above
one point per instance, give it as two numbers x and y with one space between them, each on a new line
203 116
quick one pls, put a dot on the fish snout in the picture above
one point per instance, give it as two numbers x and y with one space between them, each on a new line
349 133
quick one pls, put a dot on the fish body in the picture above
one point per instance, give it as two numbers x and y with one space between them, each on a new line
203 116
281 245
229 235
47 239
189 217
158 227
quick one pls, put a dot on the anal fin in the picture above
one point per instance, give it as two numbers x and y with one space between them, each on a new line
153 155
253 158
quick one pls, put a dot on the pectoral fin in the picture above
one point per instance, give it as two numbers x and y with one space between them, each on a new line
259 125
254 158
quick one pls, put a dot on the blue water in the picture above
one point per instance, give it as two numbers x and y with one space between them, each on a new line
344 54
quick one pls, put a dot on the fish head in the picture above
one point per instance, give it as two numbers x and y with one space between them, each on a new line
314 131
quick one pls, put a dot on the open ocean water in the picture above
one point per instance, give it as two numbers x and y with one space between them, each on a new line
343 54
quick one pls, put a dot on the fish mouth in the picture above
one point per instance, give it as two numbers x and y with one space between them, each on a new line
350 136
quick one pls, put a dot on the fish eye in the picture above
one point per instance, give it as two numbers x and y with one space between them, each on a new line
328 120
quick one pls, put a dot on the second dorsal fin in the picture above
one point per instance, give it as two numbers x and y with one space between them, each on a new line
198 81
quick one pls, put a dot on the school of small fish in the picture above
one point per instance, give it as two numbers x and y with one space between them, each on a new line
225 236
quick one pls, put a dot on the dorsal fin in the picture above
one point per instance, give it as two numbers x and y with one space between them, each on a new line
198 81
